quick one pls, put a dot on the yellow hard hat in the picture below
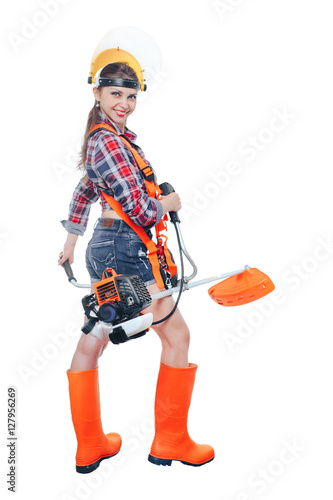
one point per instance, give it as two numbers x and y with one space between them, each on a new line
109 56
126 44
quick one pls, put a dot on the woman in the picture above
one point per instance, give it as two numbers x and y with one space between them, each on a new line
111 167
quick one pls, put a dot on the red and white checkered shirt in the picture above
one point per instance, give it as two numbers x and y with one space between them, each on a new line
111 168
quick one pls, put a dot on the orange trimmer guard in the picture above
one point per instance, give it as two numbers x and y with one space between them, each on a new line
242 288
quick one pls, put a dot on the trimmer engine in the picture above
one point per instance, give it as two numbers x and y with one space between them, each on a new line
118 298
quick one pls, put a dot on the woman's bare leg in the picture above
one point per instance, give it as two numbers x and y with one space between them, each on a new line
173 332
88 351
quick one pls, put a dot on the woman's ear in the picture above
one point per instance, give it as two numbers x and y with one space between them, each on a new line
96 93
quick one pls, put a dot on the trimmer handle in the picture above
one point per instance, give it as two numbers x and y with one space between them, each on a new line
166 189
69 271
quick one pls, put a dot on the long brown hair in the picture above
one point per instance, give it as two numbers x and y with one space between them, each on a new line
114 70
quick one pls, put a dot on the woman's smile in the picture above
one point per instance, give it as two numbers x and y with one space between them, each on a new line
120 113
112 97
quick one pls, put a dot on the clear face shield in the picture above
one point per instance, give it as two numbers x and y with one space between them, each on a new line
131 46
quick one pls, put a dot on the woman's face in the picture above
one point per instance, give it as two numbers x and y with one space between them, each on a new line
117 103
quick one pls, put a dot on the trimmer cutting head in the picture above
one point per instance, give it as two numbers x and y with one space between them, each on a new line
242 288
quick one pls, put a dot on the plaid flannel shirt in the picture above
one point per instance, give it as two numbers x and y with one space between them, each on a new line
111 167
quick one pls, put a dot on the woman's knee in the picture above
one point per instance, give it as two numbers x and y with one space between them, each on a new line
91 346
185 335
175 337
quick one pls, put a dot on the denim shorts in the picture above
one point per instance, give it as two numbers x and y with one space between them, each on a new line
120 248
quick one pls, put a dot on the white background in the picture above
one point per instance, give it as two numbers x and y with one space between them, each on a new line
265 370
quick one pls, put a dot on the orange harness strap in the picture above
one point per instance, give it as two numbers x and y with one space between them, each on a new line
145 169
153 192
151 247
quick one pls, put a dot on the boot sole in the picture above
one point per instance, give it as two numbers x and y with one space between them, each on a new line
85 469
167 461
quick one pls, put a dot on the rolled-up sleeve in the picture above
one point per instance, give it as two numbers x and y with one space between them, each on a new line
79 209
112 167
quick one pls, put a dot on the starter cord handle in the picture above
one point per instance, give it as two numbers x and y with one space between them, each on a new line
166 189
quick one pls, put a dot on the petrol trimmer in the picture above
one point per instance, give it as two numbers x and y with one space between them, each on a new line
116 308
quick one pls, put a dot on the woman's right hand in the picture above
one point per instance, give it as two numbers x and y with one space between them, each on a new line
171 203
68 252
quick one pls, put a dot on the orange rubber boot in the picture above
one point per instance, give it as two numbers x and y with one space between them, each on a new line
173 398
93 445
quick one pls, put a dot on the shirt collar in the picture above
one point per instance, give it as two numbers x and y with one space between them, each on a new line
128 133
